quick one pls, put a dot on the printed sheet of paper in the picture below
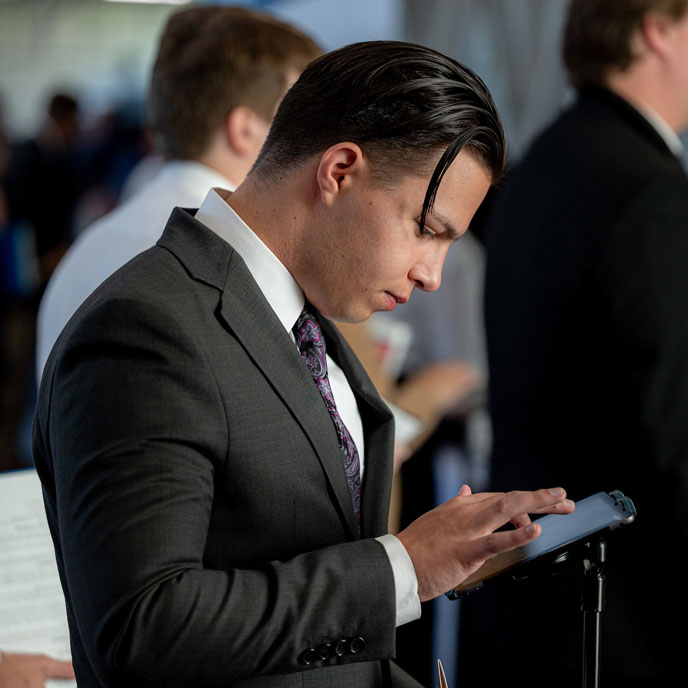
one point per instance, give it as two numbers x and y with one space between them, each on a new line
32 607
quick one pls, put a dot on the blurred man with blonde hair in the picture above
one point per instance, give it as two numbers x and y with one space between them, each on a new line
218 77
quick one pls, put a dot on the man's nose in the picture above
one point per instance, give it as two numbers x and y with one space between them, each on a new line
427 273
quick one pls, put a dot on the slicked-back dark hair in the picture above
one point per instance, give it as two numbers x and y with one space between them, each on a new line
597 35
401 103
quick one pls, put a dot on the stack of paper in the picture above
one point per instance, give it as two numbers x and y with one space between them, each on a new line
32 607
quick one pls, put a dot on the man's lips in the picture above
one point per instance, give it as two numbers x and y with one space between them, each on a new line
394 299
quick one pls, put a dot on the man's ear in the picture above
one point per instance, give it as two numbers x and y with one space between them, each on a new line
340 167
656 30
245 130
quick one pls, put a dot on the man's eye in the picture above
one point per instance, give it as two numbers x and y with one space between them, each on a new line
425 232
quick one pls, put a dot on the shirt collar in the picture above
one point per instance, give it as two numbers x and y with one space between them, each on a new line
669 136
274 280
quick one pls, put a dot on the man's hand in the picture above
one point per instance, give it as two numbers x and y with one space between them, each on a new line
31 671
449 543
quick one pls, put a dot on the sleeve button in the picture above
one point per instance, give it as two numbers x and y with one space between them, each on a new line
340 647
325 650
356 645
308 656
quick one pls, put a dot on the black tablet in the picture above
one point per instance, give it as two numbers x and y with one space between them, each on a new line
594 514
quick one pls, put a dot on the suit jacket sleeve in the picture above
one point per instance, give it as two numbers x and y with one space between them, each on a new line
137 435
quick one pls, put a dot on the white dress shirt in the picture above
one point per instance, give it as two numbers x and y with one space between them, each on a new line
287 300
114 240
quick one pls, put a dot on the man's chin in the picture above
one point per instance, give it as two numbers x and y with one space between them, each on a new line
352 316
352 312
350 319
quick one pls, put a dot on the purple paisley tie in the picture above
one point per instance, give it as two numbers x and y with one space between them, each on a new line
311 343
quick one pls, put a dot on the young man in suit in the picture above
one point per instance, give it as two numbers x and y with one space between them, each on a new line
588 337
217 79
216 462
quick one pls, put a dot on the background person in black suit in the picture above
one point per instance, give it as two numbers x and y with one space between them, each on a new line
587 330
194 482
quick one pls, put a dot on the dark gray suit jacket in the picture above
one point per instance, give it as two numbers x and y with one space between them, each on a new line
195 489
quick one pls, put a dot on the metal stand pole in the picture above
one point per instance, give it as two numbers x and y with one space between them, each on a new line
592 606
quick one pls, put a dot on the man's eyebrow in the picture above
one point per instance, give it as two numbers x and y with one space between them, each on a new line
449 228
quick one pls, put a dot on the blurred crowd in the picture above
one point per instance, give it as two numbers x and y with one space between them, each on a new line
53 184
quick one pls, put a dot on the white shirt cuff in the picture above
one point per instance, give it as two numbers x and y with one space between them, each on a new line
405 581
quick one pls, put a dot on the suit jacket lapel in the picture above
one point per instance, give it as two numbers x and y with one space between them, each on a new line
248 316
252 320
246 313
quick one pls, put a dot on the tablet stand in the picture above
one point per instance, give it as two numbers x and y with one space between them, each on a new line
592 605
586 558
590 558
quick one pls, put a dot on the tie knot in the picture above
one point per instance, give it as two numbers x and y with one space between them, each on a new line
307 331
